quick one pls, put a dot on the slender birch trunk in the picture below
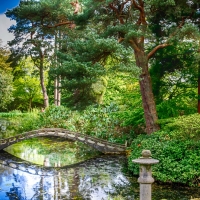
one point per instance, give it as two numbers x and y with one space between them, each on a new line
55 91
42 83
59 91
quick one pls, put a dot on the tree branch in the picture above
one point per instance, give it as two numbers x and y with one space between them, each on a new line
134 45
122 6
60 24
140 7
117 13
137 6
166 44
154 50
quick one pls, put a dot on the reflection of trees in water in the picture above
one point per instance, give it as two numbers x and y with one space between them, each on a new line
17 192
6 171
50 187
100 178
83 181
73 180
57 150
42 188
57 186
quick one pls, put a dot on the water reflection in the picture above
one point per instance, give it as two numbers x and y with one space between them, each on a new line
52 151
15 193
94 179
55 178
100 178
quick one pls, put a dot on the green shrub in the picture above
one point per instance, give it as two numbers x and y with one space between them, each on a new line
179 159
14 113
54 116
186 127
102 122
99 121
174 108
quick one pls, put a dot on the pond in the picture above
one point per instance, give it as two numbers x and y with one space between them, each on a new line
57 169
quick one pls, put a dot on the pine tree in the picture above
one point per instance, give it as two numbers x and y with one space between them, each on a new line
37 24
131 23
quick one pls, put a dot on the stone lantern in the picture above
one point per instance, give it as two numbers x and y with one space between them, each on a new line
145 178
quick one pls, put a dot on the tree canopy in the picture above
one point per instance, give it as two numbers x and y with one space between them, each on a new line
83 42
6 89
146 27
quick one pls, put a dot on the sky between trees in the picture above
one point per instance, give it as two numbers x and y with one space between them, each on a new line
5 23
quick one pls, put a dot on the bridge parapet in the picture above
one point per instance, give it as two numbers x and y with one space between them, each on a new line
99 144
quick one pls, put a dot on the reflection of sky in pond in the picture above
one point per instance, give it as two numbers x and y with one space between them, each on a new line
82 182
32 187
29 185
100 178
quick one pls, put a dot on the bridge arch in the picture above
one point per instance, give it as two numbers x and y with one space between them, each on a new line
99 144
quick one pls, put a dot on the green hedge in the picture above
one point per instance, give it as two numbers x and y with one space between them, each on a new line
179 158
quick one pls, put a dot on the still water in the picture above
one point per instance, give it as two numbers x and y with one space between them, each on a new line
57 170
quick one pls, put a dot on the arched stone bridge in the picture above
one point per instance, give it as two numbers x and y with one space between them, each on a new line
99 144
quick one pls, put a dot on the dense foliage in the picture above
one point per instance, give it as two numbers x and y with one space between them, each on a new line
177 147
97 121
6 79
146 28
118 69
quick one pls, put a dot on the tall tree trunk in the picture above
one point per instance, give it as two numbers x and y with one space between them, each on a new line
199 88
56 91
57 80
30 104
148 101
59 91
44 90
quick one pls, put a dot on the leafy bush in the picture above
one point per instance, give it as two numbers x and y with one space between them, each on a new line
54 116
174 108
102 122
11 114
179 158
186 127
132 118
27 122
99 121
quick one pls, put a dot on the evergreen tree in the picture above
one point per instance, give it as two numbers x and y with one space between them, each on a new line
179 59
85 59
38 25
131 23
